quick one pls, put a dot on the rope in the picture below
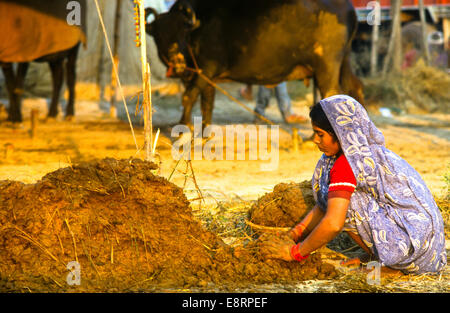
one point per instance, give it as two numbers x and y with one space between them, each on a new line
116 73
198 71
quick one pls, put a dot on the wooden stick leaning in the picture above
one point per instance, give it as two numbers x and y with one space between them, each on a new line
268 228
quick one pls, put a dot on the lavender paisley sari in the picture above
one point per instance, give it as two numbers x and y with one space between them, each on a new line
391 209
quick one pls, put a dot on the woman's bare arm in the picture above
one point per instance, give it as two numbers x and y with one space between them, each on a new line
328 227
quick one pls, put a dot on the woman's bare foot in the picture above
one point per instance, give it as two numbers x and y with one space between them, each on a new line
361 259
390 272
359 263
351 262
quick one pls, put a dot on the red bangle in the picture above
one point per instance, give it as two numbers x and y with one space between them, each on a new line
296 255
298 230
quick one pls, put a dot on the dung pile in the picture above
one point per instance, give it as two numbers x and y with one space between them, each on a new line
129 230
285 206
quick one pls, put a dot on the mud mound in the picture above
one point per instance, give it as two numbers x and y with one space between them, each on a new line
128 229
285 206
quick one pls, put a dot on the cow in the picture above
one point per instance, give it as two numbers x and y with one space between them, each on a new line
15 81
260 42
38 31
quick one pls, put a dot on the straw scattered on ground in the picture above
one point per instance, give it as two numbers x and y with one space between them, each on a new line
418 89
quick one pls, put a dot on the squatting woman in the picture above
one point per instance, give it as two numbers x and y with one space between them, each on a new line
368 191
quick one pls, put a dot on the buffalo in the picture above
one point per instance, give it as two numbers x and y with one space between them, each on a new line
38 31
260 42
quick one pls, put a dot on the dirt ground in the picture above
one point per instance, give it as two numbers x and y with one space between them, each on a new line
228 188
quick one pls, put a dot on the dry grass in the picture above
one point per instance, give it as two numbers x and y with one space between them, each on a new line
444 206
425 283
418 89
227 219
444 203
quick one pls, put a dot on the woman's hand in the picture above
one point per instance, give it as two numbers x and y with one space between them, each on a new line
276 246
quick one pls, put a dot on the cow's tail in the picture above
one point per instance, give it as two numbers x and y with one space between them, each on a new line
349 82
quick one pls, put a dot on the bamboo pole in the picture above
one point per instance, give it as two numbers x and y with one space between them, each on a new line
146 85
423 23
113 109
394 49
397 58
375 36
101 59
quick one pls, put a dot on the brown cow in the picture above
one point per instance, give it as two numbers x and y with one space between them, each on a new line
38 31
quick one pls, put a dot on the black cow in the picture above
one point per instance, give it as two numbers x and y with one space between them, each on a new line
260 42
14 82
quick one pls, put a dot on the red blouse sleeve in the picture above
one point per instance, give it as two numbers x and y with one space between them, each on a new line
342 180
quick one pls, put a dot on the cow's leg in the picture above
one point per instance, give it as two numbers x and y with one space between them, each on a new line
22 69
190 95
327 77
14 114
193 90
14 84
57 70
188 100
351 84
207 104
71 79
316 92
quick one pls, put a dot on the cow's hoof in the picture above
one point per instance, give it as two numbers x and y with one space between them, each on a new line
69 118
259 121
49 119
14 125
14 118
